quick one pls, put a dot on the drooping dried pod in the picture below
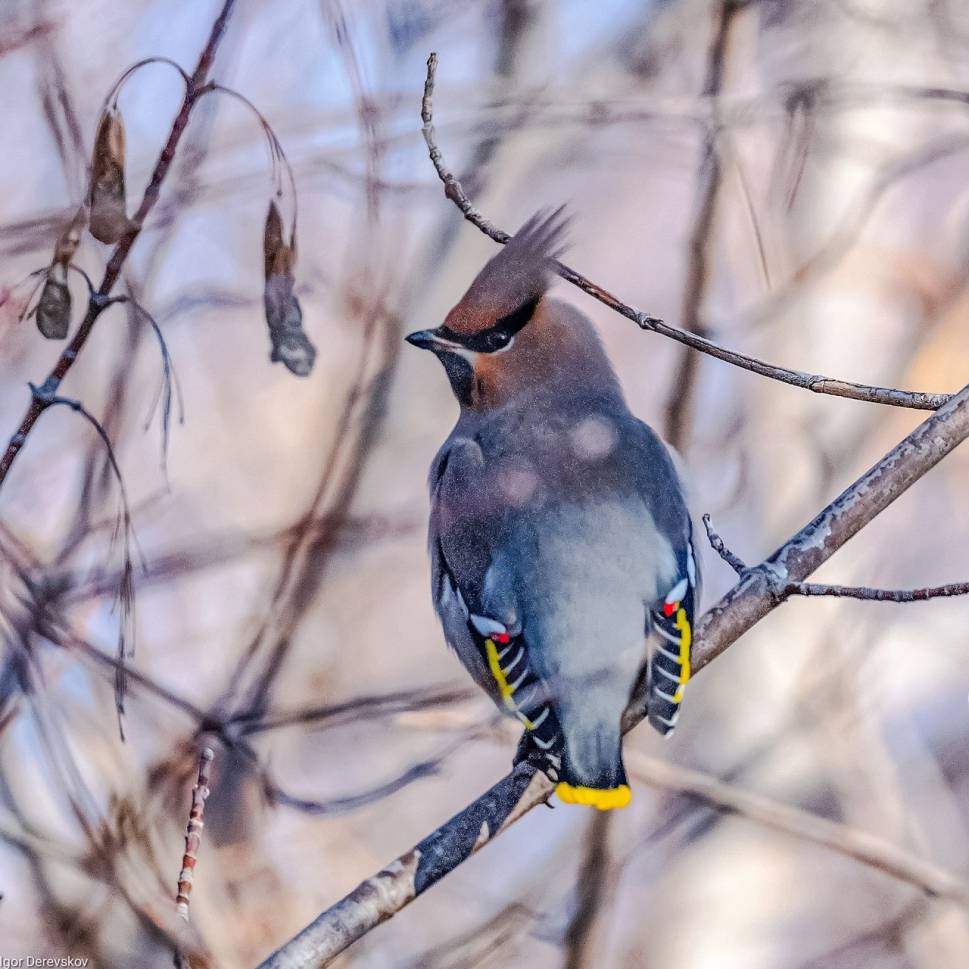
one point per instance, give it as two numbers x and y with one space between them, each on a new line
54 308
280 258
53 311
290 344
109 216
70 238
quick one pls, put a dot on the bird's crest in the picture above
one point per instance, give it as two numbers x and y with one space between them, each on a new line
516 277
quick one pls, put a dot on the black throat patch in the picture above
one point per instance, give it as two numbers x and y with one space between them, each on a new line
460 373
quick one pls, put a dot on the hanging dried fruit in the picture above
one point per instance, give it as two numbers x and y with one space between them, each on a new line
290 344
109 216
53 311
70 238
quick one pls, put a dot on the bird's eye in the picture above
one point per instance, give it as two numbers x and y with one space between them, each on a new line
498 340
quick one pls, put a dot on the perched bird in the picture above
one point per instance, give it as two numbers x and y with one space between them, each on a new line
559 536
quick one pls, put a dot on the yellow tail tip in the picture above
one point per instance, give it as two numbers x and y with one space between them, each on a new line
605 799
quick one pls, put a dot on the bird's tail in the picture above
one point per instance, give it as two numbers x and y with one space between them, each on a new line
592 771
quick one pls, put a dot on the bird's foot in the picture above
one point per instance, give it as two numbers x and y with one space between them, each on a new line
548 762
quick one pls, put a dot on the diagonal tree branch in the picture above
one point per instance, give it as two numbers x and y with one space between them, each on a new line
100 300
759 591
816 383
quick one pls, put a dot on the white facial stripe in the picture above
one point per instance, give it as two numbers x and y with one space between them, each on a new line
458 350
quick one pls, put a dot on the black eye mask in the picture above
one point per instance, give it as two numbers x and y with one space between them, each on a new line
496 337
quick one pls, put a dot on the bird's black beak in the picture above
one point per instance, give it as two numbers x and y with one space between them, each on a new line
423 339
436 341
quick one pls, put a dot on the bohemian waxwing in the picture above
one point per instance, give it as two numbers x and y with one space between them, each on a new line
559 535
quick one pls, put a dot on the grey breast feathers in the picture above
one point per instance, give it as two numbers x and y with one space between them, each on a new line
533 511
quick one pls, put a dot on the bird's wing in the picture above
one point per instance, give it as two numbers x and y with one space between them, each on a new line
670 661
672 616
474 592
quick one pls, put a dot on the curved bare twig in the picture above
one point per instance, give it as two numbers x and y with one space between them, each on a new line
816 383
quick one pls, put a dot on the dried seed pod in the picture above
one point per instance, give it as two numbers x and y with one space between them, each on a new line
280 257
109 217
70 238
54 308
290 344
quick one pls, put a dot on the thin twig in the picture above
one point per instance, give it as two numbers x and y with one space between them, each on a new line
124 528
836 591
277 154
877 595
193 833
719 546
101 299
193 841
816 383
169 389
381 896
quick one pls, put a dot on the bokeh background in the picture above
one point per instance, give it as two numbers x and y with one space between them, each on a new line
786 176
